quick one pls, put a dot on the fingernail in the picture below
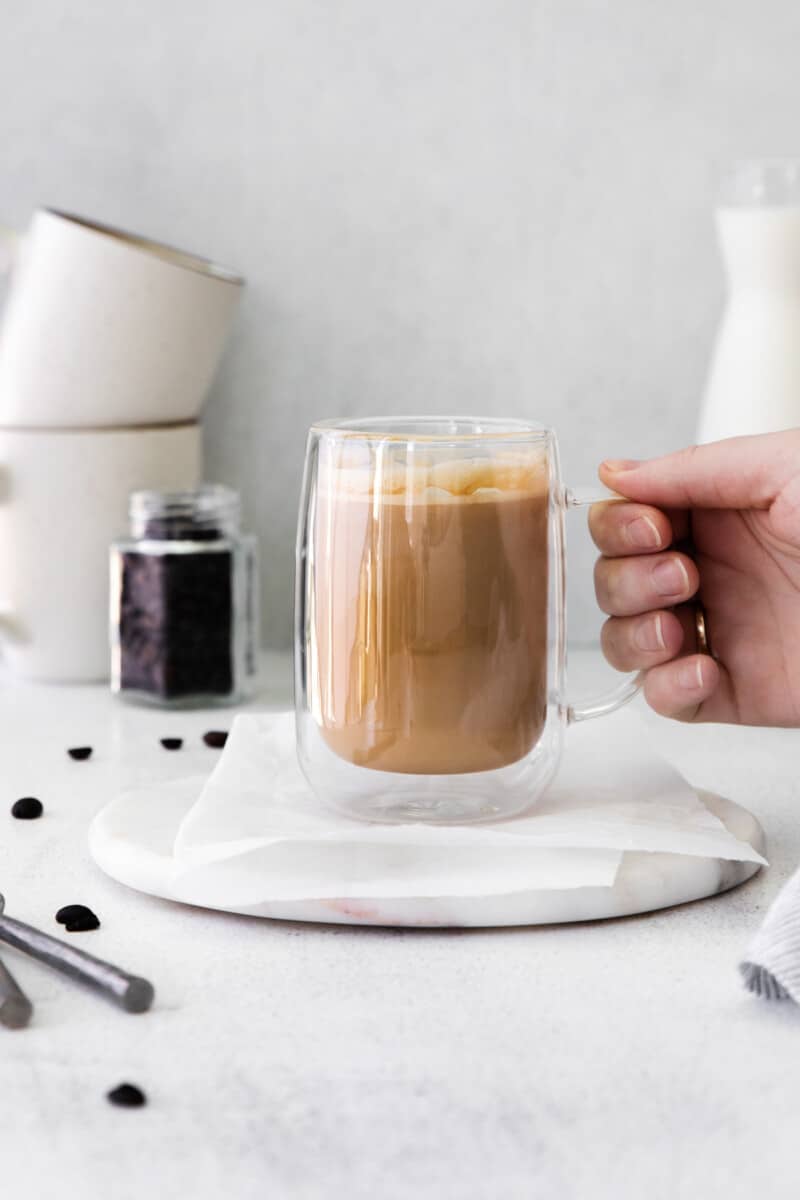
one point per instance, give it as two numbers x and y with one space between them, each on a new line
671 578
690 676
620 464
643 533
649 634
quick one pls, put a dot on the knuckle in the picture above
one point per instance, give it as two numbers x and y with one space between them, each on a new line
598 525
604 585
614 644
686 470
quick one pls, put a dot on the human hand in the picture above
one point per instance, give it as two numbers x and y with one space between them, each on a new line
738 501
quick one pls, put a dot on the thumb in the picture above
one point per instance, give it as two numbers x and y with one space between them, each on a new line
743 472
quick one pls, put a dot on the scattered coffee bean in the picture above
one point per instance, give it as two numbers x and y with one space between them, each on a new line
72 912
172 743
215 738
127 1095
80 753
28 808
77 918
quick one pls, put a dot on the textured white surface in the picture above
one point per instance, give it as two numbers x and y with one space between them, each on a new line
438 204
585 1062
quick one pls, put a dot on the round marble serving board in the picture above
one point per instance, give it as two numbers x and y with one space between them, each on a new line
132 839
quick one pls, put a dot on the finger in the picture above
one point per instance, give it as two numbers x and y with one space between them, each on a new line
679 689
618 528
638 643
744 472
627 586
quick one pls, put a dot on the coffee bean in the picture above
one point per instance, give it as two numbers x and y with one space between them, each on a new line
172 743
77 912
127 1095
80 753
28 808
215 738
77 918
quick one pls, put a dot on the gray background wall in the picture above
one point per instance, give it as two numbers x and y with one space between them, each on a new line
485 206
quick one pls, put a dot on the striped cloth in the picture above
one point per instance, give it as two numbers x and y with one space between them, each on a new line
771 967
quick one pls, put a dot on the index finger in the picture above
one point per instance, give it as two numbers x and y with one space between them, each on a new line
740 472
621 528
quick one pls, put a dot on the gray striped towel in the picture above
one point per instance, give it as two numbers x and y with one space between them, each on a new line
771 967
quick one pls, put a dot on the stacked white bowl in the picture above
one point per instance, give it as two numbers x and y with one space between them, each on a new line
108 345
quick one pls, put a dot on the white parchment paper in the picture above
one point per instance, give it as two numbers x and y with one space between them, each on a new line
258 824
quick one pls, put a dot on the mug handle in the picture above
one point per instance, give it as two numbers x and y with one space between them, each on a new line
613 699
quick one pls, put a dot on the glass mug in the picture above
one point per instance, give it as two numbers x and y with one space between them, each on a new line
430 617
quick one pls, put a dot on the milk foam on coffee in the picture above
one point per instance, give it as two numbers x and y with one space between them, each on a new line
428 610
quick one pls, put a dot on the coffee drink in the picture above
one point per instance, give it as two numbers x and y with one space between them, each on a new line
427 611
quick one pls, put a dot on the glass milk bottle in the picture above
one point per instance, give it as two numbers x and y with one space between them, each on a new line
754 379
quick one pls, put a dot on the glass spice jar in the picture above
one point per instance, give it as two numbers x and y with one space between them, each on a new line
184 601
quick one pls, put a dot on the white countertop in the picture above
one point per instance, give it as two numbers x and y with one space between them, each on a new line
617 1059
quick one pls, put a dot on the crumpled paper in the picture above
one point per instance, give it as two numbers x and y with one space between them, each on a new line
258 834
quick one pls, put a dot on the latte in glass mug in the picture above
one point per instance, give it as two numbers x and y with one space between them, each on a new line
429 617
430 613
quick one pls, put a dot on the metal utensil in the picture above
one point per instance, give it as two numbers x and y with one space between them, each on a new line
130 992
16 1009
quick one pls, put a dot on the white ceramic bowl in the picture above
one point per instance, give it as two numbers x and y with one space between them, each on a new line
105 328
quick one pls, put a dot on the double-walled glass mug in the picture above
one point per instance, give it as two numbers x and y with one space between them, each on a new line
430 617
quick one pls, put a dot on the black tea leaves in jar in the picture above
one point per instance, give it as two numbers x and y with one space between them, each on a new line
184 600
